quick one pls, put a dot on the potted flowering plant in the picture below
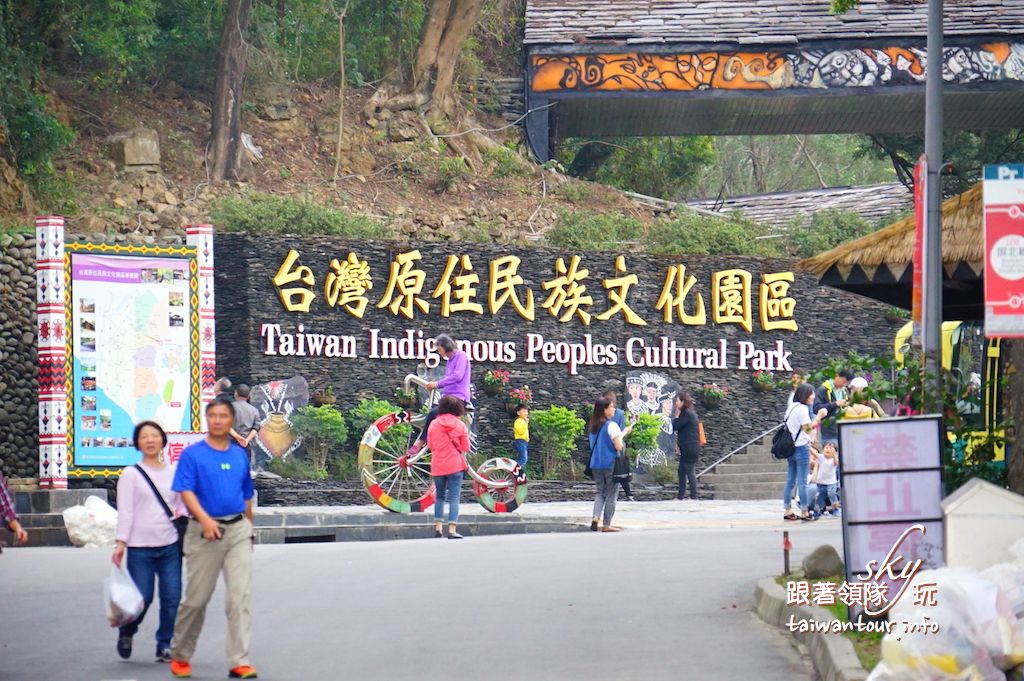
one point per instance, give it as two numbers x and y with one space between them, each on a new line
711 394
495 381
762 380
406 398
518 396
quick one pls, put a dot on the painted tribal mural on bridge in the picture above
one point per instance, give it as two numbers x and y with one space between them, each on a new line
820 69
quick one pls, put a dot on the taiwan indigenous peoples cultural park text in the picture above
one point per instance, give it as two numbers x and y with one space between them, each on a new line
568 293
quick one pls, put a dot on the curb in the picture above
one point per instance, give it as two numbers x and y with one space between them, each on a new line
833 655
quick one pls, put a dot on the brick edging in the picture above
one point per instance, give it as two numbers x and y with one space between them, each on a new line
833 655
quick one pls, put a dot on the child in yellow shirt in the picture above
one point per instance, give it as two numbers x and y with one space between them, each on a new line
521 434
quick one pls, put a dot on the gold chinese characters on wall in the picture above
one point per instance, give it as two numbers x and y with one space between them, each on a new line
567 294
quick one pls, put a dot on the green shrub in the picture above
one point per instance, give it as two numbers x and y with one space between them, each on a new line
505 162
451 170
293 468
366 412
259 212
585 230
644 434
553 433
693 233
575 192
825 230
321 429
665 475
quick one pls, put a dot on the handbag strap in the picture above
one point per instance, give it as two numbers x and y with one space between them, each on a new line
160 498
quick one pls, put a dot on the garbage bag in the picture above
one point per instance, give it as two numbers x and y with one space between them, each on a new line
978 634
124 601
92 524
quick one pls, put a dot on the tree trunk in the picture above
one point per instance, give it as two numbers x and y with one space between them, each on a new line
463 17
1015 407
226 134
430 39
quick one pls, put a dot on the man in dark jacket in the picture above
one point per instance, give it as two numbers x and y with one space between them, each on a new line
831 396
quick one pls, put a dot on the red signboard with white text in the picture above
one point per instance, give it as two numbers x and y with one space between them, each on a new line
1004 251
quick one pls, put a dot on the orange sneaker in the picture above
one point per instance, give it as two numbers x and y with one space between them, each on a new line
181 670
242 672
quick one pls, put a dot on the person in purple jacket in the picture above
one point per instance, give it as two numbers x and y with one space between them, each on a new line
456 382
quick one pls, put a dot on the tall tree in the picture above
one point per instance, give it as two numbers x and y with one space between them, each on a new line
226 129
428 87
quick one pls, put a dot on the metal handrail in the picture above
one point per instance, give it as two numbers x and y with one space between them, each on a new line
742 446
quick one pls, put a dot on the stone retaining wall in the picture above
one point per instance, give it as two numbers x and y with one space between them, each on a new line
830 323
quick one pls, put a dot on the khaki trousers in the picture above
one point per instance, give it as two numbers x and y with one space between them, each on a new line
204 561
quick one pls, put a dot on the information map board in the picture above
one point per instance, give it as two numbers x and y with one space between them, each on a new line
133 348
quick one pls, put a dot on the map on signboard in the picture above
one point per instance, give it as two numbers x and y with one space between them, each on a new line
131 352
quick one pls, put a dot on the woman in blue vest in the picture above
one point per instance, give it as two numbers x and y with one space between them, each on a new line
605 446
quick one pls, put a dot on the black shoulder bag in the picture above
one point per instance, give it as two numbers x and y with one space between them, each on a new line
180 524
784 442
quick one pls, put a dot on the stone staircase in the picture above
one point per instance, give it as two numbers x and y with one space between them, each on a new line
753 474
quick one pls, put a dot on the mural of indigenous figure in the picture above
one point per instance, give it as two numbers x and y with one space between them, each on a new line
276 401
651 393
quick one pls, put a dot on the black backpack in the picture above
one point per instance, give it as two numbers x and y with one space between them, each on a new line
784 442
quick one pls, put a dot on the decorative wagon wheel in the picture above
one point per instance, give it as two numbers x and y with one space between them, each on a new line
392 480
504 499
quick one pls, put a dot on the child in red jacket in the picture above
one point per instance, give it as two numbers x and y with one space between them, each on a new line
448 439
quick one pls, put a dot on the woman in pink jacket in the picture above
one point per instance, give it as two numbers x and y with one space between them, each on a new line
448 439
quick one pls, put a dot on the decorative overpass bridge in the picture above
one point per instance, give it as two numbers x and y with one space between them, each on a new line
600 68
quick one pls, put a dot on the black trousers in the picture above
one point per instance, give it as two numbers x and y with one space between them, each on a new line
625 488
687 472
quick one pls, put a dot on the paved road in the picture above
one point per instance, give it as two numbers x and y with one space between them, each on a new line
644 604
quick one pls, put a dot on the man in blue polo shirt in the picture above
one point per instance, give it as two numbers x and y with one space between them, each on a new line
215 483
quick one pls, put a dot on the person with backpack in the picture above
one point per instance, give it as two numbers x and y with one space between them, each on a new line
832 396
800 426
606 445
146 508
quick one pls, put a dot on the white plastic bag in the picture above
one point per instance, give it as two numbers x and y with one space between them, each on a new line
93 524
124 601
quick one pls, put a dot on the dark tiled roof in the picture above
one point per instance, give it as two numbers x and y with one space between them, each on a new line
872 202
754 23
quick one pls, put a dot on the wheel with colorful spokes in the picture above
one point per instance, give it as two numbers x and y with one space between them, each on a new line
506 498
393 480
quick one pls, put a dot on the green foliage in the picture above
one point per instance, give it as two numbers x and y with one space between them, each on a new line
965 151
259 212
586 230
505 162
825 230
665 475
656 166
758 164
395 440
451 170
644 434
321 429
576 192
553 433
694 233
839 7
114 37
968 452
293 468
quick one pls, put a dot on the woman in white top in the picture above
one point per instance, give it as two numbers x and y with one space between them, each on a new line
801 428
149 536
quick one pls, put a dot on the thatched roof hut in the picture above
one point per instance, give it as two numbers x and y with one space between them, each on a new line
880 265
